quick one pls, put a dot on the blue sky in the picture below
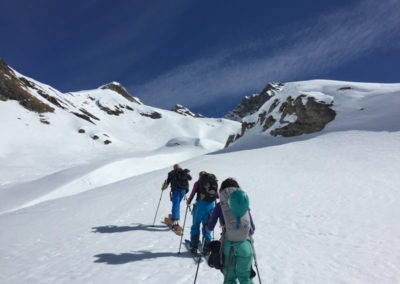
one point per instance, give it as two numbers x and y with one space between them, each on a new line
205 54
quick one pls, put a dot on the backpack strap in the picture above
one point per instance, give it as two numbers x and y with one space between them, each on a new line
237 222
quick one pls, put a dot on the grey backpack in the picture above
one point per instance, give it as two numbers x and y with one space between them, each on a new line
235 209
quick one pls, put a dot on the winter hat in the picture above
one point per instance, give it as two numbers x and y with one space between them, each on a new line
239 203
229 182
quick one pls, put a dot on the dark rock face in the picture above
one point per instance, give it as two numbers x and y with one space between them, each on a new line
85 116
265 121
312 117
251 104
117 111
153 115
122 91
13 88
232 138
298 114
185 111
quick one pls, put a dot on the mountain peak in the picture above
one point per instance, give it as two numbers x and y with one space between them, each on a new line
118 88
251 104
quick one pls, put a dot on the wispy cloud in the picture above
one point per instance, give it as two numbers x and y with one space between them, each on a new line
130 36
309 50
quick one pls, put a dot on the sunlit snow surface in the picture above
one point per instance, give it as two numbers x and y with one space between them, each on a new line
326 206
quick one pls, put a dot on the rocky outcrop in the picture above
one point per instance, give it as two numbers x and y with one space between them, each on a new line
41 98
185 111
14 88
284 111
251 104
115 111
311 117
152 115
118 88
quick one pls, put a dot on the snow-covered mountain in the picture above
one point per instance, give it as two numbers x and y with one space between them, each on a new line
75 208
316 107
89 124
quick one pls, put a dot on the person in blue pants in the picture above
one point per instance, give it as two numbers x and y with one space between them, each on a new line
203 208
179 179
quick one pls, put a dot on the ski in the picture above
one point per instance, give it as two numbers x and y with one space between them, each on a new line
178 230
205 256
196 255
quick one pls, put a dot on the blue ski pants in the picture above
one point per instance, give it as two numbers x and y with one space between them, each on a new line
176 198
201 212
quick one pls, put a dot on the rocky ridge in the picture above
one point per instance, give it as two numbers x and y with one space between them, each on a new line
282 110
185 111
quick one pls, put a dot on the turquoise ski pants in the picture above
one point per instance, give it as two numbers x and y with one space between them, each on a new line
238 262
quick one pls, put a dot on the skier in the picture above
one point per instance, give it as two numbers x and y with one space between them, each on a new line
237 229
206 191
179 179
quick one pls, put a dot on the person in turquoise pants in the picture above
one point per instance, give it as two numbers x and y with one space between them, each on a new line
238 262
238 255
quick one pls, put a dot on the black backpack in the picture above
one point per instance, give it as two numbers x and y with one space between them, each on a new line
208 188
216 258
182 178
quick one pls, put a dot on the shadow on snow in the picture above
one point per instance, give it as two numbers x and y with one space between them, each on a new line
137 227
113 259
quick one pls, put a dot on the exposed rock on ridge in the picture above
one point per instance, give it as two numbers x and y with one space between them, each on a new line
185 111
117 87
251 104
41 98
281 110
312 116
13 88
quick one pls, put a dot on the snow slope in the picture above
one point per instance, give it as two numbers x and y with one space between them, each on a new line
326 211
74 210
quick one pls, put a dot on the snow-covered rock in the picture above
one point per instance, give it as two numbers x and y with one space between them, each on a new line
318 106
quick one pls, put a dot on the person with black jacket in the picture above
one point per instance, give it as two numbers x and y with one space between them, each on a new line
179 179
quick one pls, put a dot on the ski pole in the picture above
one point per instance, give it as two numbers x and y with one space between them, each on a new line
162 191
209 216
198 263
255 260
183 228
186 201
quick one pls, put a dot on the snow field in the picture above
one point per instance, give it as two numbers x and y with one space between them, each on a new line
325 211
